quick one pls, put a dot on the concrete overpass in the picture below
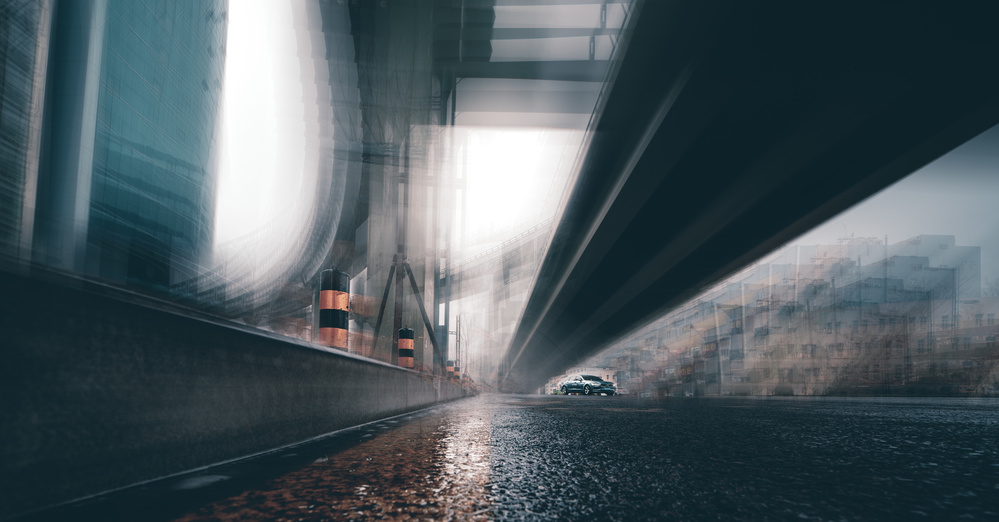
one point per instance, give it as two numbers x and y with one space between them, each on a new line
728 130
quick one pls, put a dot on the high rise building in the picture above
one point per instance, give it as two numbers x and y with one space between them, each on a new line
24 30
126 181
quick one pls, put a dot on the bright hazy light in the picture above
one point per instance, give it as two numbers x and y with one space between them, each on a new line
263 179
515 178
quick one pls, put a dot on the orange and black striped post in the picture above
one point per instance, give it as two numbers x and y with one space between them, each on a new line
457 374
450 369
406 353
334 303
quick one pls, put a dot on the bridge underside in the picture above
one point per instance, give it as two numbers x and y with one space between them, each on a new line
730 129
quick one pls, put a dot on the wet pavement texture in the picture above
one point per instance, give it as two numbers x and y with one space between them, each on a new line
609 458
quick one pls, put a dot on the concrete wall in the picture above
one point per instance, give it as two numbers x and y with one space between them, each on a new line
101 389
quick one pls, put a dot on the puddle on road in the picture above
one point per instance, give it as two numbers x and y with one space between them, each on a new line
432 468
199 481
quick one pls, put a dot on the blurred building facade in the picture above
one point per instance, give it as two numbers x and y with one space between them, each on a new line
111 117
111 150
24 40
112 157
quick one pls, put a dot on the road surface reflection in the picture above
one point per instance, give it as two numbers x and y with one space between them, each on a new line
431 468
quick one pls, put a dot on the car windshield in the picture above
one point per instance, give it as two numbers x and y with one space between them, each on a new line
591 378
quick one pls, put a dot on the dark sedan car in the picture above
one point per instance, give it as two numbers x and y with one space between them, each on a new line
587 385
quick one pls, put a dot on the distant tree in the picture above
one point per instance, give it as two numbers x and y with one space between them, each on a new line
990 288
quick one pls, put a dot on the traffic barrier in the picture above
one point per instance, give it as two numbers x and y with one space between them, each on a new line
406 351
450 369
334 305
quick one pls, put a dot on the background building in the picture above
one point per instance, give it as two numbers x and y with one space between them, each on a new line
816 321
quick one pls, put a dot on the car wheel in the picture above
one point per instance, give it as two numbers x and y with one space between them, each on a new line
586 389
565 391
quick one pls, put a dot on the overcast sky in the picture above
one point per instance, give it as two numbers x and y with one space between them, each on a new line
958 195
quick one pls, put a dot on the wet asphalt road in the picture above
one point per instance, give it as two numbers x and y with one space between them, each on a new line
609 458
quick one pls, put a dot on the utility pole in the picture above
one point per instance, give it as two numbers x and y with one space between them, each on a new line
400 269
886 271
835 333
402 226
718 347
